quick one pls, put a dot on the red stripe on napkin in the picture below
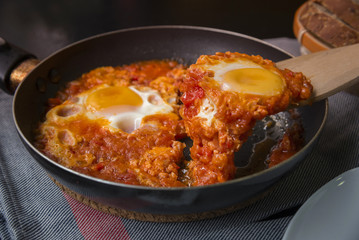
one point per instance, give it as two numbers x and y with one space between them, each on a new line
94 224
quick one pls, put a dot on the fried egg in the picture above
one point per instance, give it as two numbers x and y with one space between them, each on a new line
122 107
245 76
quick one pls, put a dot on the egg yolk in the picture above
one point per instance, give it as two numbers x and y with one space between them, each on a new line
256 81
113 96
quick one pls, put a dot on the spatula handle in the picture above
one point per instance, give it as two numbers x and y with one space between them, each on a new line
329 71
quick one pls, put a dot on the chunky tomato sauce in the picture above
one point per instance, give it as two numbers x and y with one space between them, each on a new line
291 142
214 143
147 156
152 155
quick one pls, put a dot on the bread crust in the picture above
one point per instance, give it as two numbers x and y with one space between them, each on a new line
346 10
326 25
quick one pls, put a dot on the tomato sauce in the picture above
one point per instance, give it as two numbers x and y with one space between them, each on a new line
215 141
152 155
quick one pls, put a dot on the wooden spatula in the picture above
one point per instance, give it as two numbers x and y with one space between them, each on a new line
329 71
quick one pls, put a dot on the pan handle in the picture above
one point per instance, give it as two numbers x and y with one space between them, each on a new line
15 64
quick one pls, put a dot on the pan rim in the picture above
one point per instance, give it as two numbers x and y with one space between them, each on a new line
189 27
161 189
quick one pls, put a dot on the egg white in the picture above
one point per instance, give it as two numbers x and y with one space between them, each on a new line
134 118
221 68
128 118
208 109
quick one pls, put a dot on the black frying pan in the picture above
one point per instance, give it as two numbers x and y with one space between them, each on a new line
164 42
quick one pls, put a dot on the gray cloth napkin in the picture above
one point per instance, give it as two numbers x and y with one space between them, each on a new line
33 207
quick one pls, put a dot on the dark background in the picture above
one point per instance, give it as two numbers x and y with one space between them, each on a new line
43 26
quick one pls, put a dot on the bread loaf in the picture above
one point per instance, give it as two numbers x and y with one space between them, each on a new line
335 22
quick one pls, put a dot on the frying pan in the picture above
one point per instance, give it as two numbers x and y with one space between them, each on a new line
182 43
